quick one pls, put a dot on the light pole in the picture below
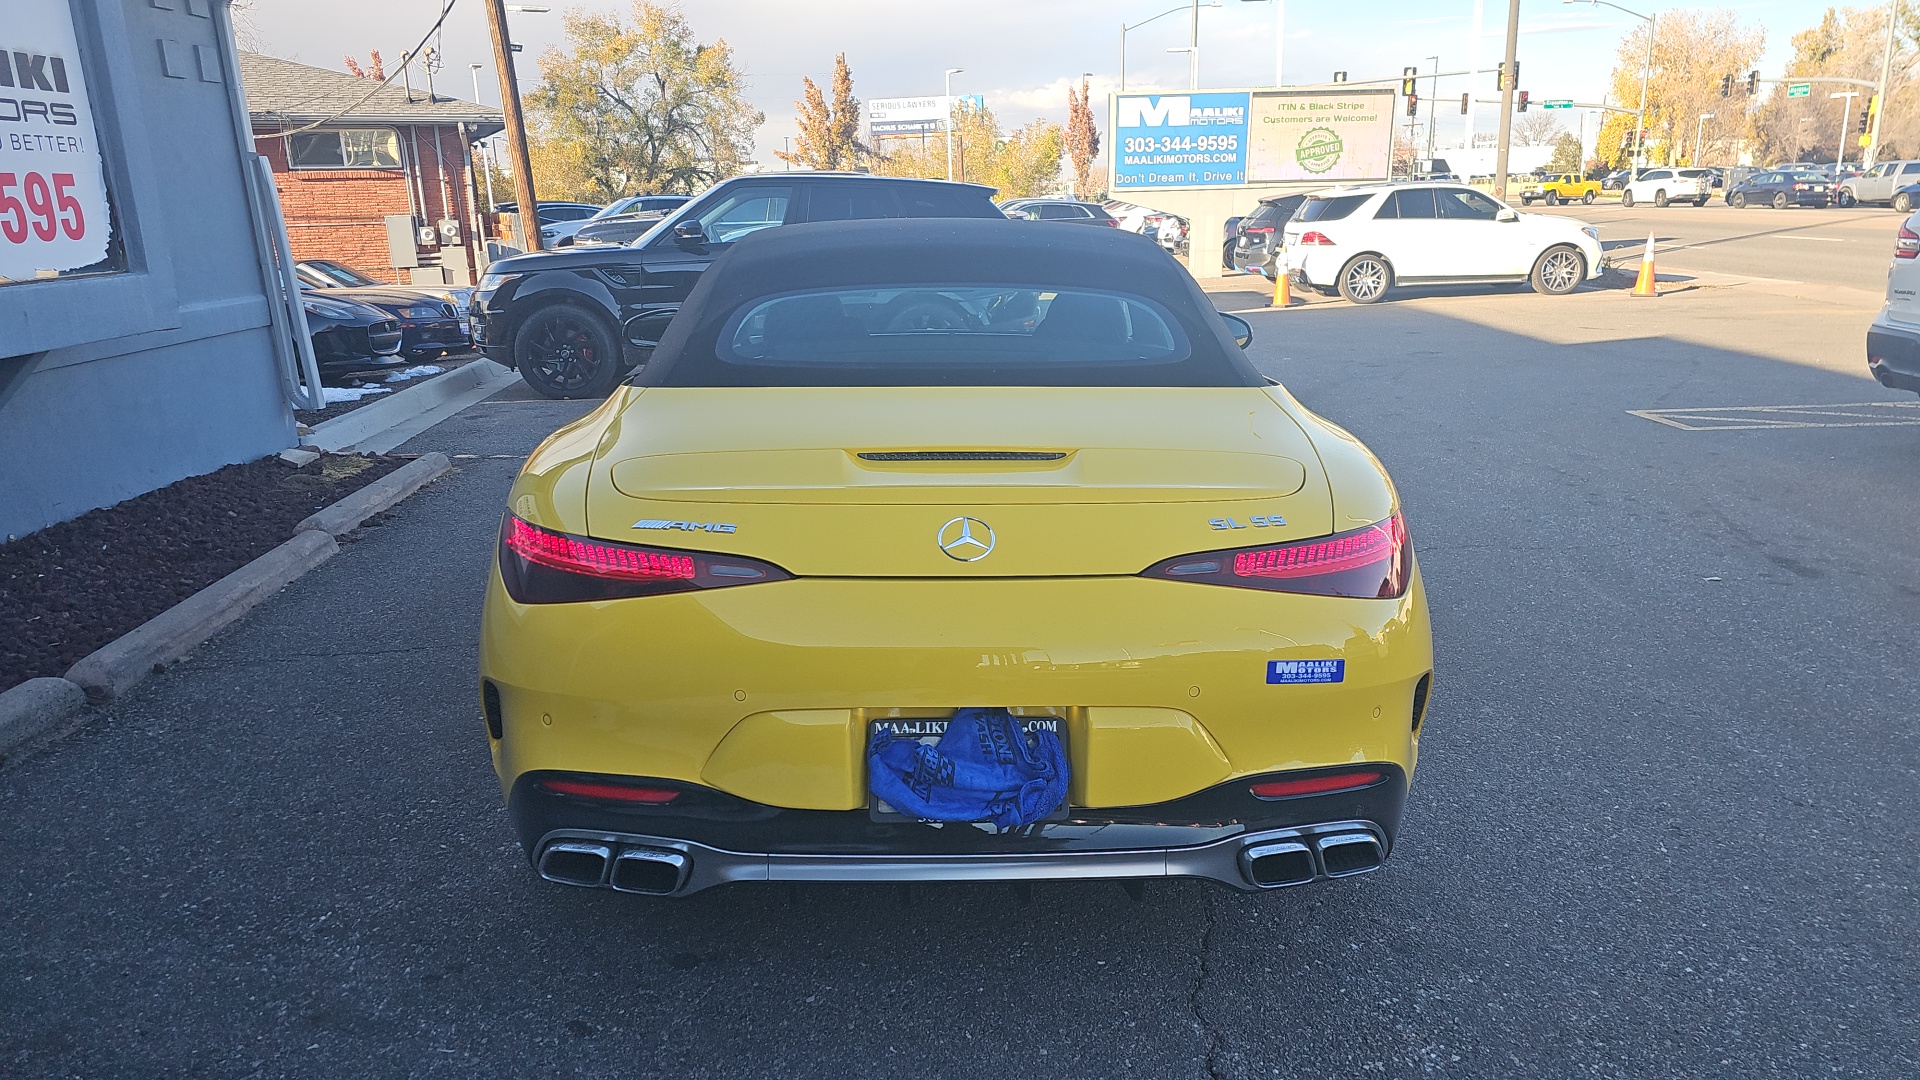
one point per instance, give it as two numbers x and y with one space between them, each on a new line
1433 111
485 167
1640 118
951 72
1699 128
1846 114
1124 27
1886 70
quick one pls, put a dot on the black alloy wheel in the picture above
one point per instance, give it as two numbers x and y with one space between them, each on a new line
565 352
1780 201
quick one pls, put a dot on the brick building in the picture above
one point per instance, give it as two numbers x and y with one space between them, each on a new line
383 183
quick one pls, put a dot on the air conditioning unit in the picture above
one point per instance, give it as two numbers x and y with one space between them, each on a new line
429 236
449 232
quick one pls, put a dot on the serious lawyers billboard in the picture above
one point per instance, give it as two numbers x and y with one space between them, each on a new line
1248 137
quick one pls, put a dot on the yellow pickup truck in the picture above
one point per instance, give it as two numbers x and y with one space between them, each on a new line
1554 190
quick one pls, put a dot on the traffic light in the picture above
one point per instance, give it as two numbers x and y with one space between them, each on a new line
1522 102
1407 77
1500 76
1413 104
1726 86
1339 76
1866 121
1753 83
1506 80
1466 104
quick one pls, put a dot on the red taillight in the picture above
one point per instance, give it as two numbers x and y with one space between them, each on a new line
593 557
1907 245
1375 562
587 789
542 566
1259 229
1111 222
1324 784
1803 187
1318 239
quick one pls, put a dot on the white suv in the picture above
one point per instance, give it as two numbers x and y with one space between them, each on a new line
1893 341
1364 239
1663 186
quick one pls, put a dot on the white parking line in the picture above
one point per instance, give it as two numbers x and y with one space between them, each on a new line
1752 417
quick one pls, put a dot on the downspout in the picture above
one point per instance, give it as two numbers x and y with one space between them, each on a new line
286 317
472 195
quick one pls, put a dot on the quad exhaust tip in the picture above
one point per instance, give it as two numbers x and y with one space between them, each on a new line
1347 854
631 870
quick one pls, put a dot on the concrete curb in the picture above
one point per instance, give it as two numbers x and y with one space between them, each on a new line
115 668
346 515
358 427
36 707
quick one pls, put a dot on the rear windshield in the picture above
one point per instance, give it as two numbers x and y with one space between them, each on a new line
1320 208
1694 174
951 327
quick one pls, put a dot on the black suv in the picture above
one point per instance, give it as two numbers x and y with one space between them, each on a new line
1257 240
573 321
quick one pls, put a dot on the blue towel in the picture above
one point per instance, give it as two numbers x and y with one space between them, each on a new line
985 768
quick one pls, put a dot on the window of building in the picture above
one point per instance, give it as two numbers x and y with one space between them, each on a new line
348 148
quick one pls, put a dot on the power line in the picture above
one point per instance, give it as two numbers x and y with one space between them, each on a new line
382 85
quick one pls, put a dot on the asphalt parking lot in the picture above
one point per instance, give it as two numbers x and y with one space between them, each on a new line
1663 824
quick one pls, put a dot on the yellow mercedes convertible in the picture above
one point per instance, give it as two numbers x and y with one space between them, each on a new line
952 550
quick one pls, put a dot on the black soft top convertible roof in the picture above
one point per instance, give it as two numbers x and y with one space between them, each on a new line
904 252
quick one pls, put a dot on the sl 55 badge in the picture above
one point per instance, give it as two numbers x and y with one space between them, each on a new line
1260 521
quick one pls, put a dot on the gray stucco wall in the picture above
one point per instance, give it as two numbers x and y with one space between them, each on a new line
119 384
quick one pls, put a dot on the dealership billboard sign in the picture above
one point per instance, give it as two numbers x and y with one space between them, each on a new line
53 194
1224 138
908 116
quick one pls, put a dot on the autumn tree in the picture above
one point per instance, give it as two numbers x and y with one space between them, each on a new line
1018 164
1847 43
829 136
376 68
637 106
1082 140
1692 50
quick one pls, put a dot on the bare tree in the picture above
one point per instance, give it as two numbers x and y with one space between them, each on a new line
1535 129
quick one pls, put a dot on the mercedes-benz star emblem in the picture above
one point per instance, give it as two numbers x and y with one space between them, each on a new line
967 539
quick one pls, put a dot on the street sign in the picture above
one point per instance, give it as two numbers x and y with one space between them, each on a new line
1799 89
1556 104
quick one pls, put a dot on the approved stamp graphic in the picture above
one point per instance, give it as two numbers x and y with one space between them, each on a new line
1318 150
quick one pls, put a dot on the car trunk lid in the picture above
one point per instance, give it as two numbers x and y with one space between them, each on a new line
880 481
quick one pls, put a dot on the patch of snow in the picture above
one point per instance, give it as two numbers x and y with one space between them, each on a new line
333 394
414 372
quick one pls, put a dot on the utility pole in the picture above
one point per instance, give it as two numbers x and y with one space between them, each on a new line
1879 102
1193 48
1506 100
528 210
1433 110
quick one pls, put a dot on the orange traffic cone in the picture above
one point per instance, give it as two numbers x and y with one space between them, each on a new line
1644 285
1282 291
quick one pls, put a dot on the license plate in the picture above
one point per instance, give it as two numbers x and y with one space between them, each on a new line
929 732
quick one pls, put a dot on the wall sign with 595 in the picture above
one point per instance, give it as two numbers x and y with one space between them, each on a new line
45 207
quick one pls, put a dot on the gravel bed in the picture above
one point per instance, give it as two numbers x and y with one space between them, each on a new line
73 587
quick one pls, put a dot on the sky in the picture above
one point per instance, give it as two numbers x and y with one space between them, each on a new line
1022 54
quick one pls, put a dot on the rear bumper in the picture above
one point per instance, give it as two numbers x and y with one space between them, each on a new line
1222 834
1893 356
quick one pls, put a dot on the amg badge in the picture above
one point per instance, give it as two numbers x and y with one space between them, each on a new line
687 526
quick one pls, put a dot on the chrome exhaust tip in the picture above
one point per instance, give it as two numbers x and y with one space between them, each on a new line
1347 854
573 862
648 871
1278 865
